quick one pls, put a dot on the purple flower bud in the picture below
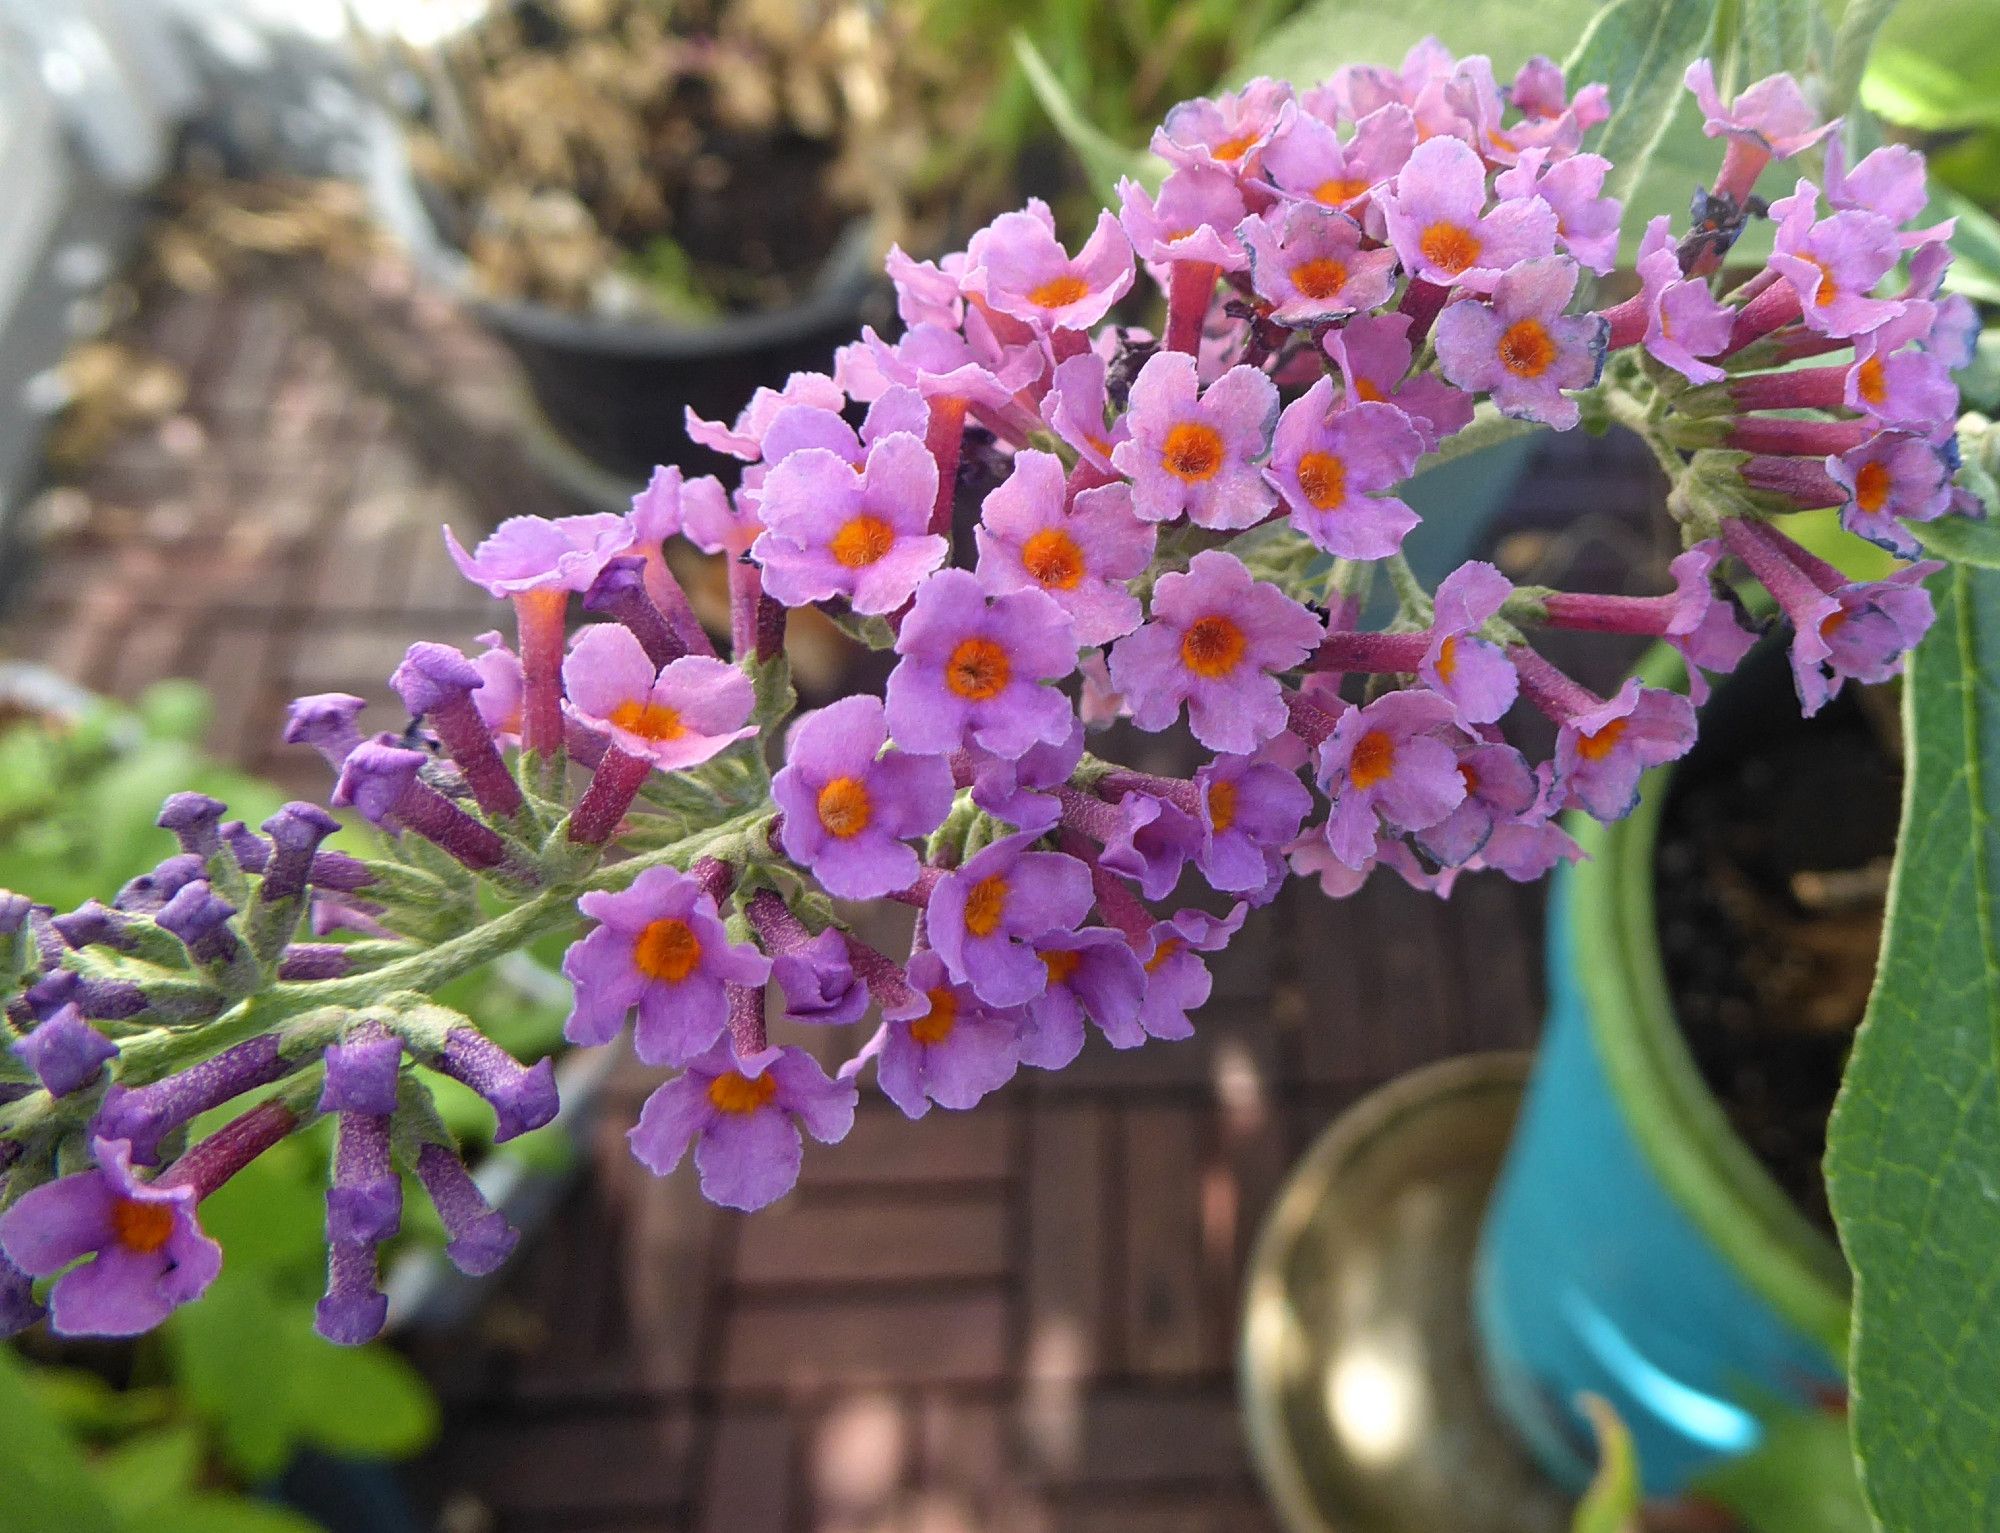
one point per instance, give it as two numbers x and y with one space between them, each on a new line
296 832
200 918
14 910
437 682
480 1238
354 1309
193 818
361 1072
381 780
52 992
305 961
149 891
326 722
145 1115
66 1052
814 972
92 922
248 848
619 593
364 1206
521 1098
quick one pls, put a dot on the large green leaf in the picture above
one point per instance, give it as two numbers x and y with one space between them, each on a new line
1640 49
1799 1477
1914 1147
1937 66
44 1481
1611 1504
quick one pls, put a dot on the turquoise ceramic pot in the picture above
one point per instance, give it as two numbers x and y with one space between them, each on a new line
1635 1248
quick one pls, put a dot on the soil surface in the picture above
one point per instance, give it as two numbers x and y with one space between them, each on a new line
1773 864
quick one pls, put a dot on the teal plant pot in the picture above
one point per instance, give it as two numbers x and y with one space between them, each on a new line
1635 1248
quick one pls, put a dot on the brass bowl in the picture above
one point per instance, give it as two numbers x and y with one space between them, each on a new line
1360 1374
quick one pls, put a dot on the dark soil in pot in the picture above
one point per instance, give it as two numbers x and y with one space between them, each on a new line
1771 871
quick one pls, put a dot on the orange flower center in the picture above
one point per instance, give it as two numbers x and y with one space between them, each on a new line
1833 623
1320 277
1597 746
977 670
1373 759
935 1025
1053 558
861 541
1871 487
1323 477
667 949
1061 964
1527 348
1058 292
141 1226
1193 452
648 720
844 807
1340 189
741 1094
1368 390
1234 148
1469 777
1167 948
985 905
1449 247
1828 289
1221 805
1871 383
1212 646
1447 660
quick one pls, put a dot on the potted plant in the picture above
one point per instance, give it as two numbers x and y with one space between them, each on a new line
1180 524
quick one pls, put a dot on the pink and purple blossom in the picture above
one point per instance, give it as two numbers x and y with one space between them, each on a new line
1309 264
1521 347
1017 266
1082 552
670 717
985 916
1330 465
1440 225
1195 451
1392 761
829 531
1373 353
943 1045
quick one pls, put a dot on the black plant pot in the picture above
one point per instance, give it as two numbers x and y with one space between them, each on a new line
615 389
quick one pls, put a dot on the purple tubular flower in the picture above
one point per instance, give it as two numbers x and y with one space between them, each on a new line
1373 353
1500 789
437 683
1015 791
307 961
1249 810
1900 383
1192 222
742 1116
362 1071
1521 347
1604 747
849 808
1309 161
522 1097
538 553
503 688
619 593
1177 981
380 780
200 918
659 946
143 1116
1586 221
746 439
1437 220
1093 975
1146 837
1890 476
296 832
830 532
1076 406
1394 760
146 1254
1773 113
480 1239
193 818
942 1044
107 1000
1082 553
1889 181
670 717
1196 451
1328 466
1676 316
814 973
364 1207
65 1052
354 1309
1216 635
1228 131
985 916
1472 673
326 721
1017 266
973 670
1834 263
91 923
1309 265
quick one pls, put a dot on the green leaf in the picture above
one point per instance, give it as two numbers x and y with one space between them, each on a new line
233 1355
1915 1136
1852 44
1936 66
1104 159
1975 246
1611 1504
365 1402
1960 539
229 1514
44 1481
1799 1476
1640 48
137 1475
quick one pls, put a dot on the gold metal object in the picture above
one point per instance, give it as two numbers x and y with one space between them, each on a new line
1359 1371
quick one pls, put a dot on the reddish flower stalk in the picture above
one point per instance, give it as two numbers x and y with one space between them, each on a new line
1816 439
944 435
1189 290
539 618
230 1148
1809 388
1803 480
613 786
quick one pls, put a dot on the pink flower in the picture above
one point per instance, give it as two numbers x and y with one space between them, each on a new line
1310 163
830 532
1198 455
1897 378
1472 673
1772 114
1329 466
745 439
1683 319
1228 132
1373 354
538 553
672 717
1521 347
1077 405
1309 265
1586 222
1194 218
1891 476
1018 266
1834 263
1395 760
1082 553
973 670
1438 222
